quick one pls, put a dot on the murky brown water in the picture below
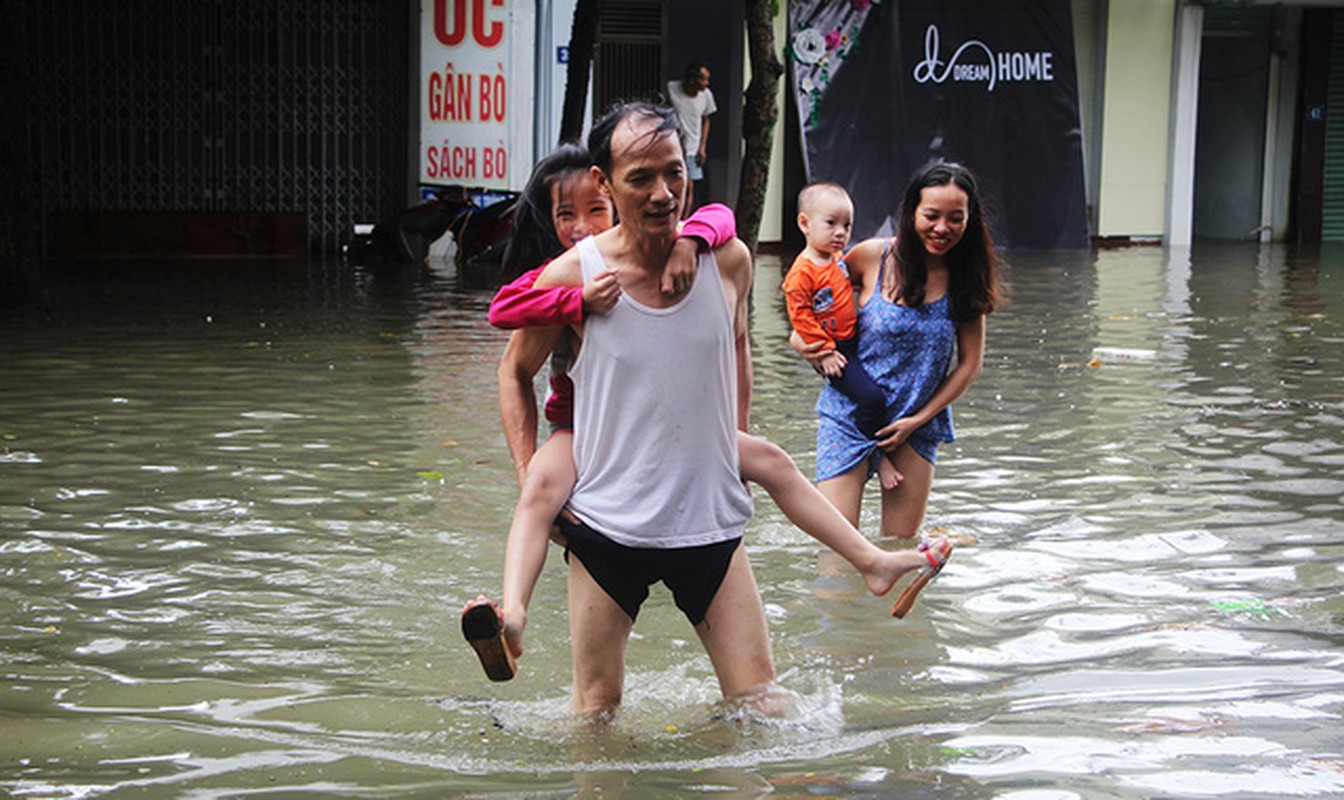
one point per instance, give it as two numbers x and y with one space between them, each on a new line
241 504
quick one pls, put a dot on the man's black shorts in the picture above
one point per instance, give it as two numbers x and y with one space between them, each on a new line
694 574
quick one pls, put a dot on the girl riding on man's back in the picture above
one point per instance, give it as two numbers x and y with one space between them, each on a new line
561 204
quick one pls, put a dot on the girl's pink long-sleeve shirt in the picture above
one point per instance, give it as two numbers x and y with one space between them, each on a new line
520 304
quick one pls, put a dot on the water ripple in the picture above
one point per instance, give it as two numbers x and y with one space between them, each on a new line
238 517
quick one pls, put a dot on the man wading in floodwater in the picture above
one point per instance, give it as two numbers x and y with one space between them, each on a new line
662 383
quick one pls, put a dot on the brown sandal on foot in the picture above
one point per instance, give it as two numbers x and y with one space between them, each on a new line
922 578
483 627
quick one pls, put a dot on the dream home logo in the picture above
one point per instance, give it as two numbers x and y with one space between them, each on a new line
975 61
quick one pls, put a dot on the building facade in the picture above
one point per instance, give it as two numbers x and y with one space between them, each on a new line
1207 120
1219 119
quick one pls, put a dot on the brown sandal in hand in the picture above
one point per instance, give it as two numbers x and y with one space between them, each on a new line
483 627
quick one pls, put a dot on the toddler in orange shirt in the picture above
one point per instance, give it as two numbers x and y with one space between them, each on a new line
820 300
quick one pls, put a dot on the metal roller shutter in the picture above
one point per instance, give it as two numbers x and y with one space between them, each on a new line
1332 212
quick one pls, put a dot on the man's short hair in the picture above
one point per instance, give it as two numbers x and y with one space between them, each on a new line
599 138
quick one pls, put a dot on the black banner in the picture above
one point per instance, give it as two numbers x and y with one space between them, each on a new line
882 87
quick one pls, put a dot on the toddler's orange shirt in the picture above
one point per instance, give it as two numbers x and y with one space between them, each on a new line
820 300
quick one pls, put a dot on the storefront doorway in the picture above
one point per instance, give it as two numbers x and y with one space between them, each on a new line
1230 146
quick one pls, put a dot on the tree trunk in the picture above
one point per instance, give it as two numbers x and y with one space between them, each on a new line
581 39
760 112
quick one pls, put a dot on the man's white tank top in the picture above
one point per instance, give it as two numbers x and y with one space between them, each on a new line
655 418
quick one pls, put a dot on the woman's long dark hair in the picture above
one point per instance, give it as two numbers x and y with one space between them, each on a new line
533 241
973 287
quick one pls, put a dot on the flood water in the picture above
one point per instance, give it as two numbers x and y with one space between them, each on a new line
241 505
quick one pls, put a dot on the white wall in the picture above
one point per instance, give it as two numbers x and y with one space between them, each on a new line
1132 196
555 19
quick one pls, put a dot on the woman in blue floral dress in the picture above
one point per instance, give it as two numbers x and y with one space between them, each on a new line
923 298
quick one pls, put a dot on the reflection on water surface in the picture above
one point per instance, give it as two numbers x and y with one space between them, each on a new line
240 505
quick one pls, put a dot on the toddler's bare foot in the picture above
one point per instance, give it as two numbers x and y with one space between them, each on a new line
888 474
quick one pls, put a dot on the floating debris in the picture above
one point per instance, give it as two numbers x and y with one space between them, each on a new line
1123 354
1255 607
1167 725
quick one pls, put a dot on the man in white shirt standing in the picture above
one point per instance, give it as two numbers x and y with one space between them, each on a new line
694 103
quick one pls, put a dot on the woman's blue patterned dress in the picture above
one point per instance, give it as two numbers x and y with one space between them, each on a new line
907 351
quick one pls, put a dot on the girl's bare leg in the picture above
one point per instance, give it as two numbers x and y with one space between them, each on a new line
550 480
817 515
